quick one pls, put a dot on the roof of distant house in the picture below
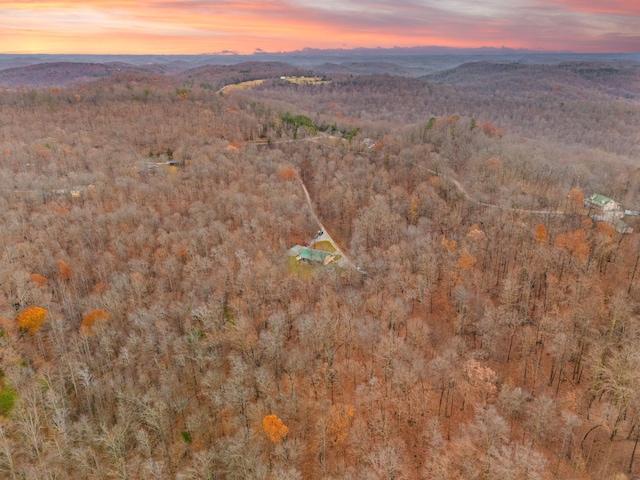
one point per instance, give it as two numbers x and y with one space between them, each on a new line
304 253
600 200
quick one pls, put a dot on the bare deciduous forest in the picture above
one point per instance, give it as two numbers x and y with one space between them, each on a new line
154 326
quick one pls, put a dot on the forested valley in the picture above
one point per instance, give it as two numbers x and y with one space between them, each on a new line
154 325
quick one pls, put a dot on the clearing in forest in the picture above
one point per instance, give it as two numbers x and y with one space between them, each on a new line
242 85
306 80
324 245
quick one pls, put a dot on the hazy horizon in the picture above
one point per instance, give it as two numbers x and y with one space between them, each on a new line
410 62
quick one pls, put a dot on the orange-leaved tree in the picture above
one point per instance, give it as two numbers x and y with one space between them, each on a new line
412 210
91 318
287 174
541 235
64 271
574 243
576 197
490 130
340 419
467 261
450 245
31 319
605 229
275 429
38 279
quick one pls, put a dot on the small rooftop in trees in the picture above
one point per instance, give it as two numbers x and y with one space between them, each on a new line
608 211
601 201
311 255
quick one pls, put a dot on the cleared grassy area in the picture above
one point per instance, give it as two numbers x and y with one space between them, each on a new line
307 80
7 400
243 85
324 245
299 268
296 80
305 269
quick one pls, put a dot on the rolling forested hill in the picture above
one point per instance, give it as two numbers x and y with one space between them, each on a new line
608 80
154 324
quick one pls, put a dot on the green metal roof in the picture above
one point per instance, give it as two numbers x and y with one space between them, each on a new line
305 253
295 250
599 200
313 255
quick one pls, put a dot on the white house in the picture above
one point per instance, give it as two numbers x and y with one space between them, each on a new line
605 206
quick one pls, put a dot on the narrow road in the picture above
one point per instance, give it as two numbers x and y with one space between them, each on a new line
344 260
317 138
325 236
461 188
491 205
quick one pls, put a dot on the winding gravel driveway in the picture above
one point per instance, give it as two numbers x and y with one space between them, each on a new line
344 260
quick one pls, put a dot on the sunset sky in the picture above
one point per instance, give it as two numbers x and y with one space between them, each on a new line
243 26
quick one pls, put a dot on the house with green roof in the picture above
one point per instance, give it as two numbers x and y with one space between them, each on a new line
605 209
603 203
310 255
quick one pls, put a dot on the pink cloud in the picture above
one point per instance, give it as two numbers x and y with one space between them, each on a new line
609 7
197 26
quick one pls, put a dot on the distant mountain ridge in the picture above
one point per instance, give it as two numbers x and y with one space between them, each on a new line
574 78
434 64
407 56
59 74
417 50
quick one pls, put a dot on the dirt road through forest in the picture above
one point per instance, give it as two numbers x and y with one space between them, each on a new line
344 260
